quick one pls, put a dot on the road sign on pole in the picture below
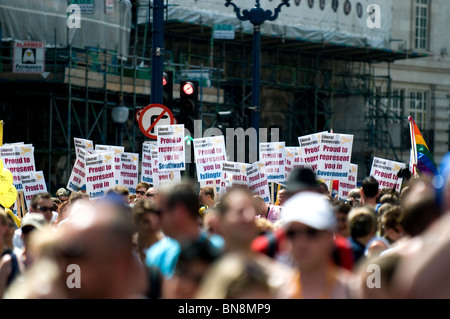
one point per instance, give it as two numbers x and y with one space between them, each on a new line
153 115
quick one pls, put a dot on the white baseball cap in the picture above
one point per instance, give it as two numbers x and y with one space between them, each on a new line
309 208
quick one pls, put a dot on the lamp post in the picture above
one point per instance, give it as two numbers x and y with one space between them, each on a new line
119 115
156 93
256 16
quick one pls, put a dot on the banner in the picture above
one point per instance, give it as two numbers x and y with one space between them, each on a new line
116 150
273 156
33 183
346 186
161 178
209 154
146 165
77 179
385 172
335 156
257 181
99 174
83 144
129 172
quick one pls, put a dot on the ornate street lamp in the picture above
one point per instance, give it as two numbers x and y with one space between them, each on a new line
256 16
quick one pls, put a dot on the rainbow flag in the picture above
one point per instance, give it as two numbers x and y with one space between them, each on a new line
423 159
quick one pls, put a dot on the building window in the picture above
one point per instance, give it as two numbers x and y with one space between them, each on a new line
421 11
418 107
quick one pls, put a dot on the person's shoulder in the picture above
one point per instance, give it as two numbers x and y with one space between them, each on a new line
344 287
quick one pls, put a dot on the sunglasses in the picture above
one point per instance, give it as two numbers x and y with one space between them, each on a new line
309 232
44 208
140 193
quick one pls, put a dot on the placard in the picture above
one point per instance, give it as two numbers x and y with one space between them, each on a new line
146 164
171 153
273 156
334 156
385 172
346 186
129 172
99 174
77 179
209 154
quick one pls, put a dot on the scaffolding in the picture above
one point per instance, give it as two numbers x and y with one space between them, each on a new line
301 82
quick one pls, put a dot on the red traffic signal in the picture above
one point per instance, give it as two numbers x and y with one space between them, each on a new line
189 102
188 88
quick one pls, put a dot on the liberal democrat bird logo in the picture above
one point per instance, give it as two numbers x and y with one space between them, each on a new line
117 151
279 146
135 158
353 169
260 165
39 177
107 158
396 168
345 140
243 170
288 154
88 145
217 140
25 150
178 130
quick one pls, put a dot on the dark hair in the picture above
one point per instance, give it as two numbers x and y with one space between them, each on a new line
342 207
370 187
182 193
362 221
201 250
419 212
35 199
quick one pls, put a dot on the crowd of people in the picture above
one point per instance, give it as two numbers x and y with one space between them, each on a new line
182 242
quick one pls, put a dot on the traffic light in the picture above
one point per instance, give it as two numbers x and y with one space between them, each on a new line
168 89
226 119
189 98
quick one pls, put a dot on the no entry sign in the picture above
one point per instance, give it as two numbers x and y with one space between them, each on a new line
154 115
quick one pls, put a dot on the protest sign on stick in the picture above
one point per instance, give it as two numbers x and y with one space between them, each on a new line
99 174
77 179
146 168
209 154
346 186
273 156
171 152
164 177
129 171
257 181
335 156
116 150
83 144
33 183
233 173
310 150
385 172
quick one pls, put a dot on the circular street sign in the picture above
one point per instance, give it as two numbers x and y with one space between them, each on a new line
153 115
